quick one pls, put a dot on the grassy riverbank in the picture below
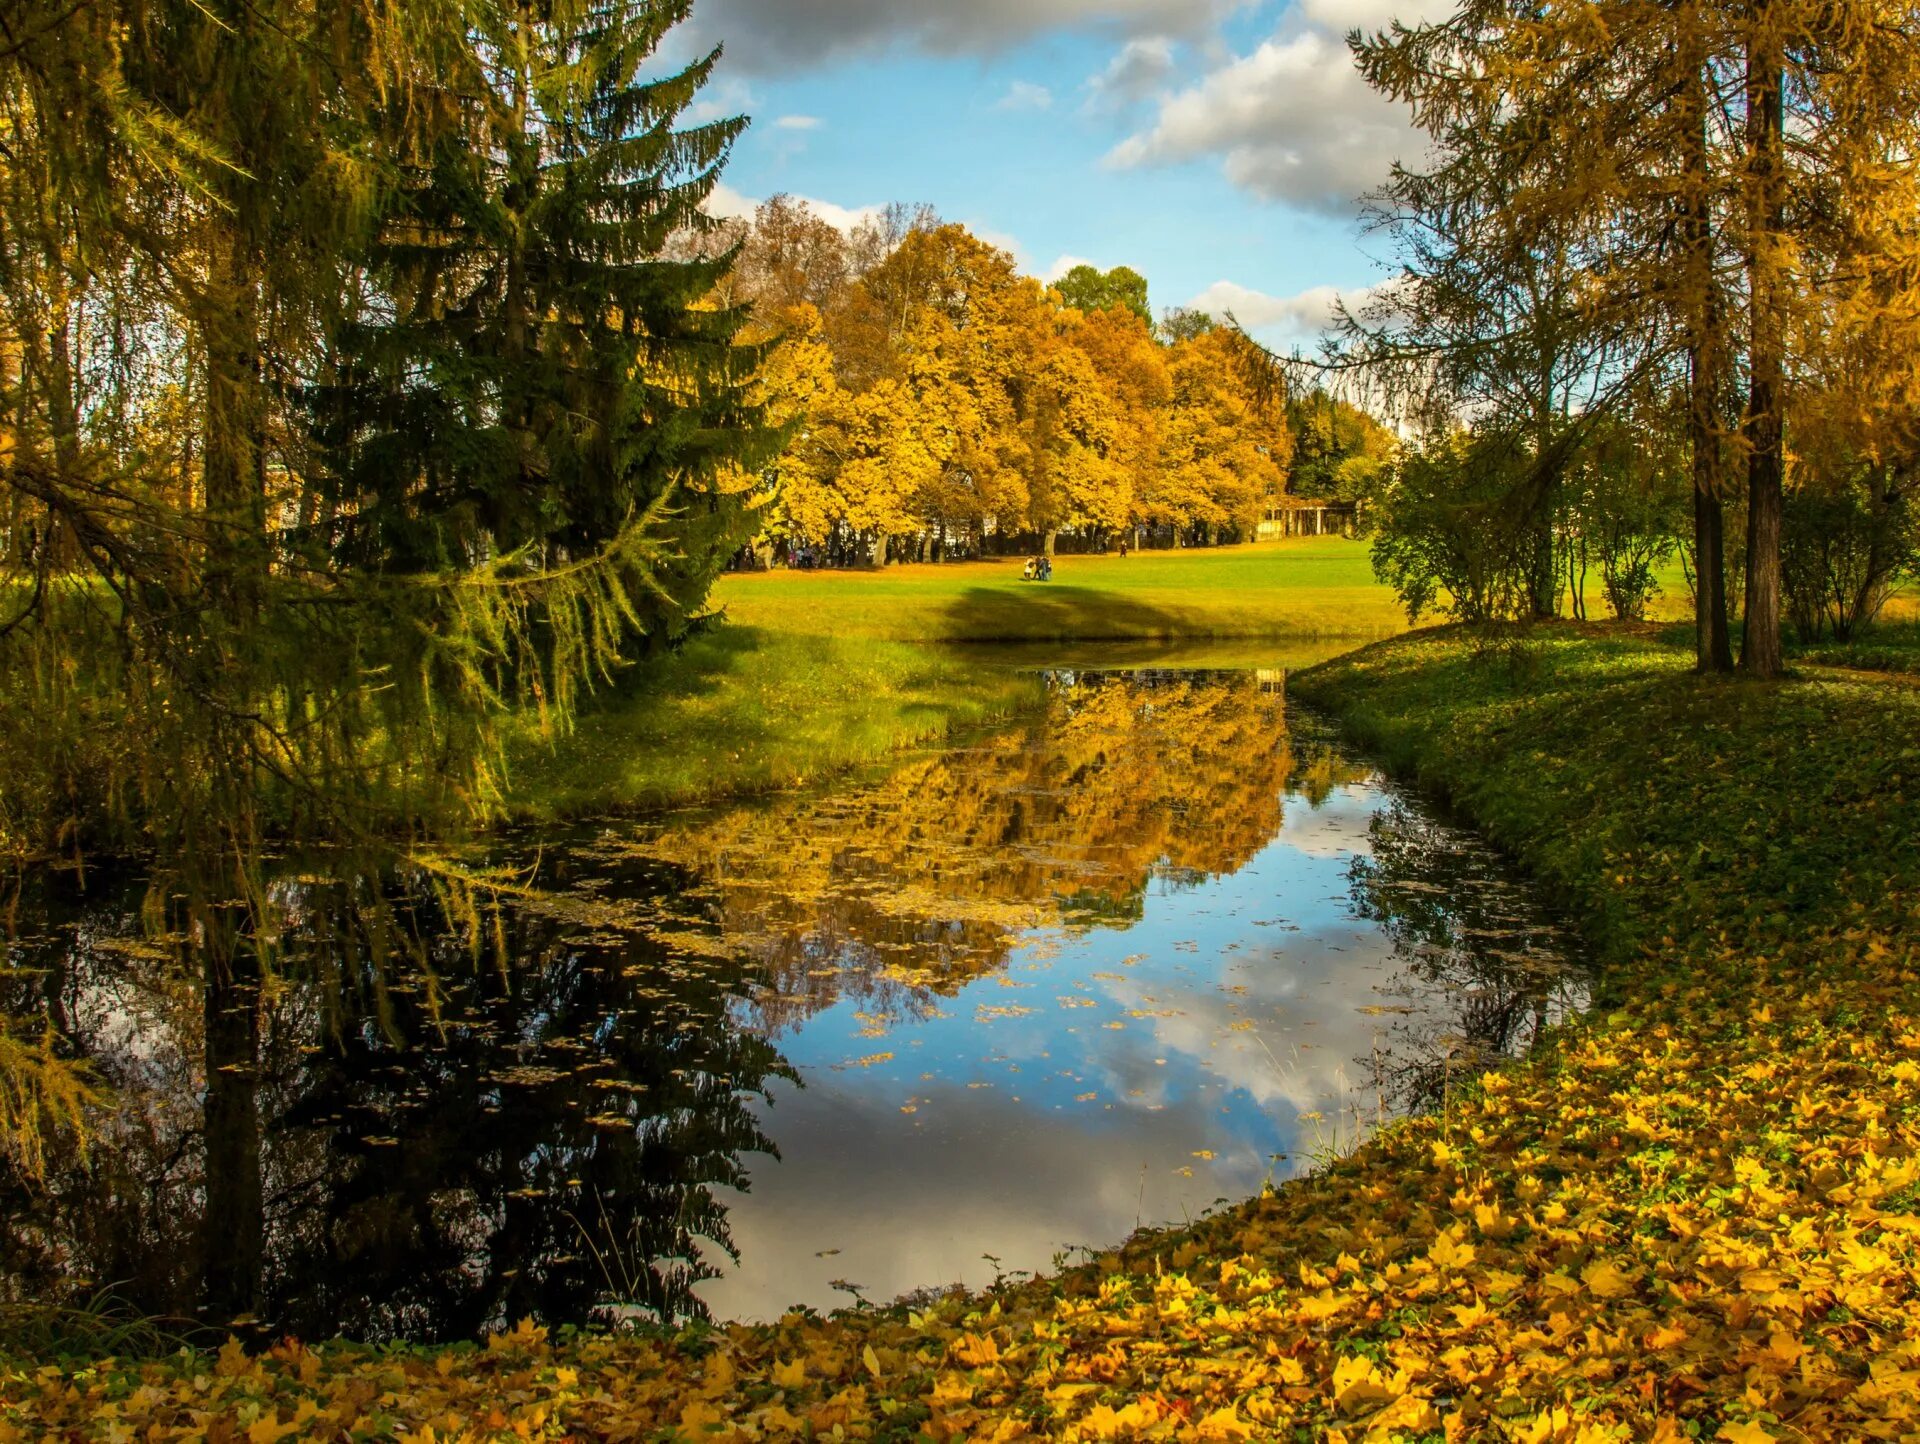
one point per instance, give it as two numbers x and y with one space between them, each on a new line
742 710
1693 1214
813 672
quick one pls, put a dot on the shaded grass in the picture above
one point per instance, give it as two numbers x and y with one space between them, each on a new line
1889 646
1322 587
1676 814
741 709
99 1327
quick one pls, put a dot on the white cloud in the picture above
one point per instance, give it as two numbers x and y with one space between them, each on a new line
798 122
1025 95
726 203
1301 316
1002 239
722 99
1292 120
1061 265
1340 16
1142 66
766 35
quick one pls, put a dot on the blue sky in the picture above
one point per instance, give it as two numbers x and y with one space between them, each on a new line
1217 146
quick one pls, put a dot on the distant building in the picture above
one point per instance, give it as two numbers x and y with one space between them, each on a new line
1305 516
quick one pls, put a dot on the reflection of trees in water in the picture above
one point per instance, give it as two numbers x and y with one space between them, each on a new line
421 1120
389 1133
425 1118
1483 971
899 891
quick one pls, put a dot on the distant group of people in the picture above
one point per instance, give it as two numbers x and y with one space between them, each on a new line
1037 569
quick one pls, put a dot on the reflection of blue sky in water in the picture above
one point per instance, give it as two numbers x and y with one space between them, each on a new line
1080 1092
1091 971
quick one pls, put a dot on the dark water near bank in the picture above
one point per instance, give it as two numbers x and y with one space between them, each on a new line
1099 969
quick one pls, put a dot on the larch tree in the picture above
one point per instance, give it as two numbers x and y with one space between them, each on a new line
1683 148
232 217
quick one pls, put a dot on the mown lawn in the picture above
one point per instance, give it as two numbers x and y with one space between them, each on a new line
1321 587
1693 1214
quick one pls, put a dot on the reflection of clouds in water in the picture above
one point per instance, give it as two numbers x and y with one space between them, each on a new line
1337 828
1307 1028
1239 1003
912 1202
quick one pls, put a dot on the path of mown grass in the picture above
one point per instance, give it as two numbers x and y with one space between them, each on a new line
813 672
1695 1213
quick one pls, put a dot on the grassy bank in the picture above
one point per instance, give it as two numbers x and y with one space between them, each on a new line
1693 1214
812 672
1891 646
741 710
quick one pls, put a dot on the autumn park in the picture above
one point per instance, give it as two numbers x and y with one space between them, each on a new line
1098 720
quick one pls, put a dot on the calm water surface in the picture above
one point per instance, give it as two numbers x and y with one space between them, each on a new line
1102 968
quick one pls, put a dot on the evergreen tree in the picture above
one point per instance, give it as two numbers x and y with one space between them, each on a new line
530 373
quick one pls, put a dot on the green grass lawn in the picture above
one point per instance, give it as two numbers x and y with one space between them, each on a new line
1321 587
813 672
744 709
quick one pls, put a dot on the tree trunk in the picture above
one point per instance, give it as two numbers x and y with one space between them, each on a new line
1543 582
232 463
1760 650
1047 540
233 1225
1706 381
1713 645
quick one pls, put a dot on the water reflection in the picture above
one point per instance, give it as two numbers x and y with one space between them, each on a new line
1098 969
1484 972
420 1145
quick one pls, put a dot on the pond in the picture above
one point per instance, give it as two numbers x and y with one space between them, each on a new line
1135 954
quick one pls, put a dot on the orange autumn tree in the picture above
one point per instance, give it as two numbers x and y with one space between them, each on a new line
941 401
1225 449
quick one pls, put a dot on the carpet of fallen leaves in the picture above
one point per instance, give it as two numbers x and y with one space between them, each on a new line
1693 1214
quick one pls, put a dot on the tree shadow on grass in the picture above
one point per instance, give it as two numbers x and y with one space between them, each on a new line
1051 612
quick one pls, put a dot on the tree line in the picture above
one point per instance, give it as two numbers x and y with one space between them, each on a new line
942 404
1655 283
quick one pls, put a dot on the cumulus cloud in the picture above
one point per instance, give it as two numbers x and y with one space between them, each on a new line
1305 313
1292 120
728 204
1003 240
1025 95
723 99
1141 68
1341 16
798 122
764 35
1061 265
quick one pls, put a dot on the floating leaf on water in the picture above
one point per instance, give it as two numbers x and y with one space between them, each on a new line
867 1062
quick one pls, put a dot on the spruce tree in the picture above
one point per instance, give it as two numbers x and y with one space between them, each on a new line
535 370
